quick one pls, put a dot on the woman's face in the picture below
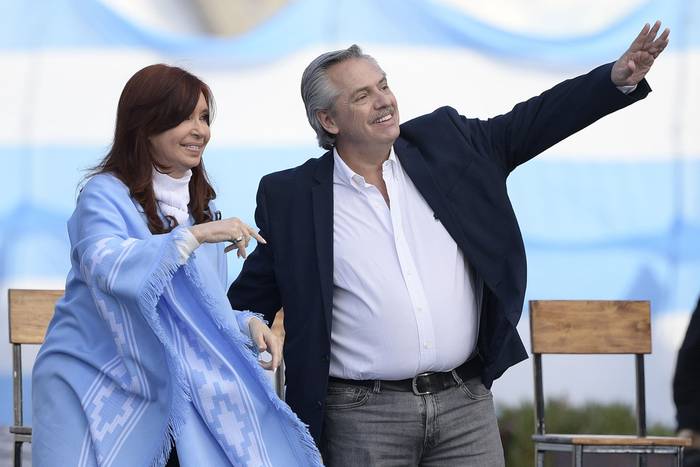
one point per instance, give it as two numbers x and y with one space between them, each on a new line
180 148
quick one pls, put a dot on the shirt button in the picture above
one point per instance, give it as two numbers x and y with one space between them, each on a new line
426 345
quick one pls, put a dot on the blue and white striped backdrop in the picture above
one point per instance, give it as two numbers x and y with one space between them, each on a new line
613 212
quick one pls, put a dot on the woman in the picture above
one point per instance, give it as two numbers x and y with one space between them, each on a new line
144 350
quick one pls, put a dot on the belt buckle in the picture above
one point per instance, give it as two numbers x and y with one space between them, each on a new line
414 387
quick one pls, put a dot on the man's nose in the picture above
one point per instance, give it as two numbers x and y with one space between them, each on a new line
382 100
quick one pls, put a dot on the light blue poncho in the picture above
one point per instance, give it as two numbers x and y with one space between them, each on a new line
143 350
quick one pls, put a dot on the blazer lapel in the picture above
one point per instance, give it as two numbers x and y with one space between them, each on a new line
322 196
420 174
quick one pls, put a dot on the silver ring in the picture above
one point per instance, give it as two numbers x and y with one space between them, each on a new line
239 239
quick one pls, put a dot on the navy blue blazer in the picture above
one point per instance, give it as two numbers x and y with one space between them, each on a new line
459 165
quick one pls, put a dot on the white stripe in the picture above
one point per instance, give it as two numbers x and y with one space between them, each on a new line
85 448
133 347
128 328
128 428
116 267
109 366
261 106
567 18
86 399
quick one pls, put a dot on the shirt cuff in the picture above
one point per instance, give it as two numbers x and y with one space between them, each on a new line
185 243
627 89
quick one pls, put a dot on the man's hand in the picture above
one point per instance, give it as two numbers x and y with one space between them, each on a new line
634 64
265 339
278 325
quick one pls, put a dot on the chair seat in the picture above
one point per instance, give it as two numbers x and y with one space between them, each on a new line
611 440
21 430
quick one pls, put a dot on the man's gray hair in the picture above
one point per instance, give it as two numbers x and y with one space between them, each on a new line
317 91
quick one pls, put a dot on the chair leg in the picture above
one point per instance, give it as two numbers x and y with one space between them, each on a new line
577 459
641 460
679 457
539 457
18 454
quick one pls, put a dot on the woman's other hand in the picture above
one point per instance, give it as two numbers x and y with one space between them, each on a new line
266 340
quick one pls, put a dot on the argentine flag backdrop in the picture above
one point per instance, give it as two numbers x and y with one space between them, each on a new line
611 213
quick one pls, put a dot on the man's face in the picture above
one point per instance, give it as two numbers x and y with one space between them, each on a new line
365 115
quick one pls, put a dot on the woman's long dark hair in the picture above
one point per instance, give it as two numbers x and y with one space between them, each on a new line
155 99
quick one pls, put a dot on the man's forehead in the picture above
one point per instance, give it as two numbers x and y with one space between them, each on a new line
357 73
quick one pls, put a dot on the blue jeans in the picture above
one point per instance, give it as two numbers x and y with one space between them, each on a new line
369 427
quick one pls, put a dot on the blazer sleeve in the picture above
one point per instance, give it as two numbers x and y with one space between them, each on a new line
256 289
538 123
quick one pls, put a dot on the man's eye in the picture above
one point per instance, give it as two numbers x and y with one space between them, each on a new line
360 97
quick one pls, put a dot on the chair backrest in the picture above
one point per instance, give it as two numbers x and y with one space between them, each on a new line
29 313
590 327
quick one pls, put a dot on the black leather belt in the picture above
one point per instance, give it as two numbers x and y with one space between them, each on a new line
424 383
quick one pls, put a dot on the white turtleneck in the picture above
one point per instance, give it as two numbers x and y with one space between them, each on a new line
173 197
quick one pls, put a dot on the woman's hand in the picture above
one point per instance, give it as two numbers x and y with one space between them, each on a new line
227 230
266 340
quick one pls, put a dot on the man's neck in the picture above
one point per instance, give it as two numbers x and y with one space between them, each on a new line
364 162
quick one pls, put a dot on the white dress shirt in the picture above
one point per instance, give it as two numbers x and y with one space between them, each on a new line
404 300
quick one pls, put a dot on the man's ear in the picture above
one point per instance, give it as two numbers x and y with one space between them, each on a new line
327 121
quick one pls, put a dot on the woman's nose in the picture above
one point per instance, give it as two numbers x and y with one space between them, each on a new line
197 129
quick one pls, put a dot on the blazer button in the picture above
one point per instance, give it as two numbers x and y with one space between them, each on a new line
319 404
326 358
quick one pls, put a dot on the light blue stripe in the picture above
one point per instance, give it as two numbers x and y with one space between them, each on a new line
568 204
34 24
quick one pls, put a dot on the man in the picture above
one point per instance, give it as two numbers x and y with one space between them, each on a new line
686 389
399 263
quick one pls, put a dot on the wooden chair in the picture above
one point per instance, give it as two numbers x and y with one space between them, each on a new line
595 327
29 313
